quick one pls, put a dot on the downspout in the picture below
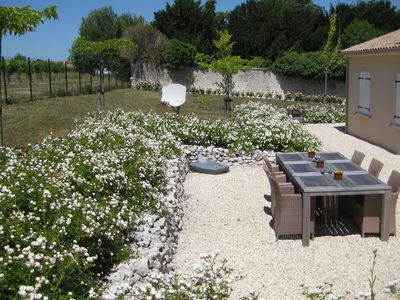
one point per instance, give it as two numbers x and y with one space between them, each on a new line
346 125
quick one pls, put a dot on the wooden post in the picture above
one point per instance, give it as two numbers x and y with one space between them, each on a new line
79 82
116 81
49 70
5 83
109 77
30 78
91 83
66 77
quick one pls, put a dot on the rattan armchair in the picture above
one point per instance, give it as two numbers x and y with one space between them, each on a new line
368 211
375 167
357 157
271 166
288 211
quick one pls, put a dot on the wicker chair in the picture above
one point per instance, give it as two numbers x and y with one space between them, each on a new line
375 167
357 157
271 167
288 211
367 212
281 180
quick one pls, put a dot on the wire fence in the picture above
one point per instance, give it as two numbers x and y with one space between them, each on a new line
27 82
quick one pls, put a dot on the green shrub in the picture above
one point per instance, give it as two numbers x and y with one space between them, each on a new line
178 56
306 64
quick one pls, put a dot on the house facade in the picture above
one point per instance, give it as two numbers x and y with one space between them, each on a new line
373 91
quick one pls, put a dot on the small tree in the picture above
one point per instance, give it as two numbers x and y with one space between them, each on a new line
99 55
330 55
226 65
18 21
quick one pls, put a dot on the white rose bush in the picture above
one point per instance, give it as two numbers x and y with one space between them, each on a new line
68 207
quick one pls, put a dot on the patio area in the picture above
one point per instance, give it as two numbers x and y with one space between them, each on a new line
229 212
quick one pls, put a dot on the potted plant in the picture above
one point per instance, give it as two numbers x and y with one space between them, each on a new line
311 153
338 174
320 163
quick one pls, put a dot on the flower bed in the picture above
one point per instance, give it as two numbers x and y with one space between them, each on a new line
68 207
320 113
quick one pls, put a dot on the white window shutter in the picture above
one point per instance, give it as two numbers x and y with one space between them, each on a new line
397 108
365 84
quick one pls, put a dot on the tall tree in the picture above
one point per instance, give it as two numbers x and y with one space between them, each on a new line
101 24
18 21
330 54
268 27
190 22
99 55
359 31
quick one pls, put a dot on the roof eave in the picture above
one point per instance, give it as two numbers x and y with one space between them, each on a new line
376 52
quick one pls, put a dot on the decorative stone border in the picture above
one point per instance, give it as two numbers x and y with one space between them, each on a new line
156 237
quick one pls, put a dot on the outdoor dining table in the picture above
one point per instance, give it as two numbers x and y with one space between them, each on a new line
312 181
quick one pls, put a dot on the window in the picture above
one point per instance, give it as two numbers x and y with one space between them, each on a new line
397 105
365 82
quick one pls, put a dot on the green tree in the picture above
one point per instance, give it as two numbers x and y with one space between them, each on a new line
226 65
190 22
101 24
359 31
18 21
150 44
99 55
330 54
269 27
179 55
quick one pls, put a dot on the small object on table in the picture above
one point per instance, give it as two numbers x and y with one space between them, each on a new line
338 175
311 153
320 163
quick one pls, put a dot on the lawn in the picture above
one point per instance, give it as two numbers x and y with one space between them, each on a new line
31 122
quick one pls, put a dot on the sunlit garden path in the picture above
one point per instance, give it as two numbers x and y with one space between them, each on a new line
229 213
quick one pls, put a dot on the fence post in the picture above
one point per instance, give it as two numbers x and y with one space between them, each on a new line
79 82
30 78
49 70
66 77
116 81
4 79
108 75
91 83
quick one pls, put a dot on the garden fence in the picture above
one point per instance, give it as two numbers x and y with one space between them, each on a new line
30 80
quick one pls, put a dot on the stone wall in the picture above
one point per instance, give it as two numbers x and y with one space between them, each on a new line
256 80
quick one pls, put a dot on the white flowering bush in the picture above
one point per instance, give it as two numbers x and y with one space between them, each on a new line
315 98
68 206
320 113
212 279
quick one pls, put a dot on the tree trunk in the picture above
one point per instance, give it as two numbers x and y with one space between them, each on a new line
101 89
326 84
1 104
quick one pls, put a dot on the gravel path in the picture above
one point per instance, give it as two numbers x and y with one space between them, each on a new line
228 212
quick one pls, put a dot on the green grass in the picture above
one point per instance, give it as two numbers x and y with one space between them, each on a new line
31 122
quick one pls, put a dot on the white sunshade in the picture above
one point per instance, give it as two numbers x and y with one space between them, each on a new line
173 94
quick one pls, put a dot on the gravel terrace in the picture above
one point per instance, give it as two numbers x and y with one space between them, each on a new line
229 212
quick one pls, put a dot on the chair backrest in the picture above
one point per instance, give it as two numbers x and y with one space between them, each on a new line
269 164
375 167
394 181
357 157
173 94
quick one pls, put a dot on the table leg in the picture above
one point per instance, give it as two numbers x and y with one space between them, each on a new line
335 209
306 219
385 218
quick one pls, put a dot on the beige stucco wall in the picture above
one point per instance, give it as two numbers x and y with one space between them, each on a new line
377 128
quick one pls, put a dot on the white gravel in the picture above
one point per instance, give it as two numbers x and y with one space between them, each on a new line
227 212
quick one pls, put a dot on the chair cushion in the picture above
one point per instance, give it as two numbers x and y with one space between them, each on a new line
209 167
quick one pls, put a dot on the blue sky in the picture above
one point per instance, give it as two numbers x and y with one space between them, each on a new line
53 39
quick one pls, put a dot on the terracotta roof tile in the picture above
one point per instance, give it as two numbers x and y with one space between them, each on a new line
389 41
